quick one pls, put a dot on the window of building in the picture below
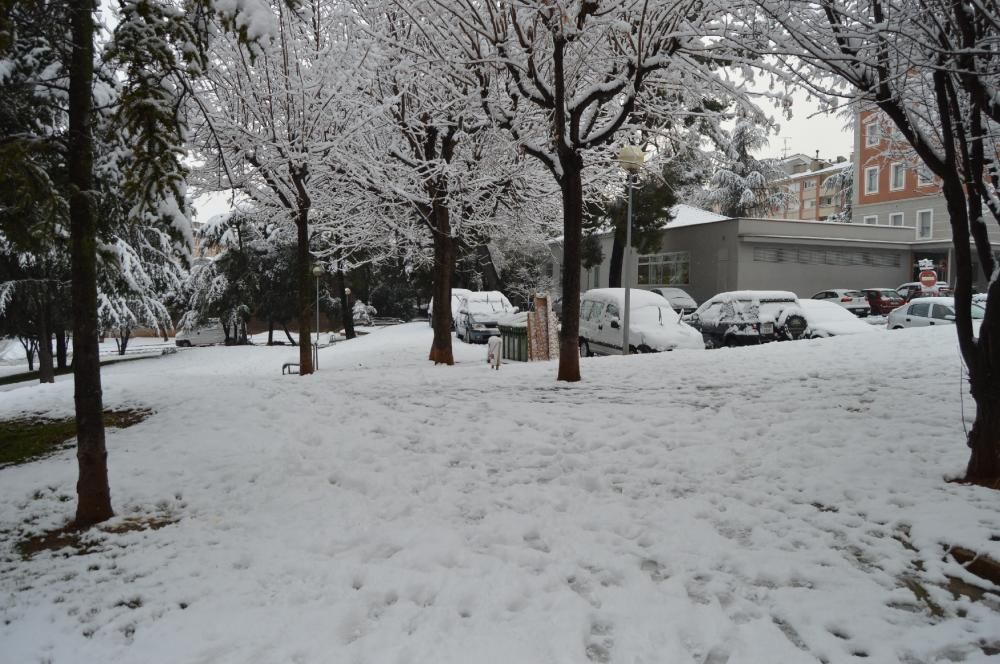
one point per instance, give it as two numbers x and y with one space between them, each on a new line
664 269
810 184
871 219
793 187
897 177
871 180
896 219
925 224
872 134
924 176
810 204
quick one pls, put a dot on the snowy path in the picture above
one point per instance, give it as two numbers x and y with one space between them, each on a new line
750 505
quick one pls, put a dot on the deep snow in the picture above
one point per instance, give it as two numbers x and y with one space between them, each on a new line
761 504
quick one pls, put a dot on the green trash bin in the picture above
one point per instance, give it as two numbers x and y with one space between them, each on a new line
514 337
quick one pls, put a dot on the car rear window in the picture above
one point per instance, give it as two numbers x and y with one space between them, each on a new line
853 293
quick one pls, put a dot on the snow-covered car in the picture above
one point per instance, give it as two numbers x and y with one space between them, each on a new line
914 289
478 314
653 324
980 299
679 300
456 303
927 311
829 319
852 300
740 318
208 334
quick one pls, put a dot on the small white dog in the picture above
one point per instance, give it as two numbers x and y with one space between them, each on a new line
493 352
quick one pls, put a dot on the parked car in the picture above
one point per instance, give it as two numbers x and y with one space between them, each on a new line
207 334
829 319
926 311
914 289
456 302
681 302
739 318
479 313
882 300
654 326
852 300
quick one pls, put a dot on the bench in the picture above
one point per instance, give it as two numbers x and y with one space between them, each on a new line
288 366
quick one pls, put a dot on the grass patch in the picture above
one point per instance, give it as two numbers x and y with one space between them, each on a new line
71 537
29 438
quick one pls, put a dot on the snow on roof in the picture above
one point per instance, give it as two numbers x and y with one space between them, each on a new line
689 215
759 295
638 297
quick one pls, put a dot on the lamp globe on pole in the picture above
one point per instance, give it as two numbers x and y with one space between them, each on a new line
631 158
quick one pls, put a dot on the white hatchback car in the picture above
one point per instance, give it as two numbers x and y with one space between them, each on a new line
852 300
927 311
653 324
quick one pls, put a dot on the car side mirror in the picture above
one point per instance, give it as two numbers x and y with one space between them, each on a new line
950 317
614 324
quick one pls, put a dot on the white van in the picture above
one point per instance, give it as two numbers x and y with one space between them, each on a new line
654 326
204 335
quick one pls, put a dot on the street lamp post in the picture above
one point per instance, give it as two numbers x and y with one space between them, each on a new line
631 159
317 272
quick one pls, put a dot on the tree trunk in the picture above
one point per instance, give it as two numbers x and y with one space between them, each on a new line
60 347
288 335
124 334
572 195
46 373
304 270
93 492
491 278
270 331
444 265
617 263
30 347
345 305
984 437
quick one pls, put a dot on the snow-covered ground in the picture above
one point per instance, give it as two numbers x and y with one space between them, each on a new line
773 504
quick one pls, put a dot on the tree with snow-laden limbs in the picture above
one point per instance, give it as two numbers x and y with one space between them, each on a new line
270 116
576 74
135 83
929 71
743 185
435 157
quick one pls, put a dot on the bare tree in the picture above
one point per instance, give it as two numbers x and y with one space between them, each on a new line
270 115
930 69
577 73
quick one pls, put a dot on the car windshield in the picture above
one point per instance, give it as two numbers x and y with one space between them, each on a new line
477 307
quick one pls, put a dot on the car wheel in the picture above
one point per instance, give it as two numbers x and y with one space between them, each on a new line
898 327
730 342
710 341
645 349
585 349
